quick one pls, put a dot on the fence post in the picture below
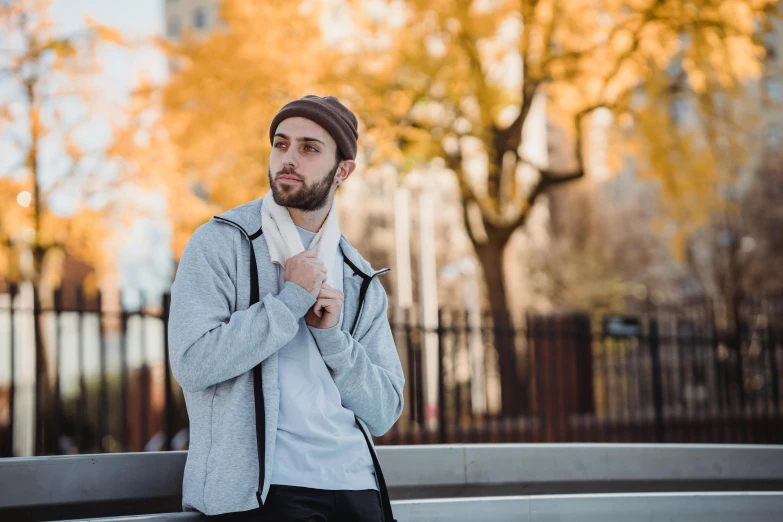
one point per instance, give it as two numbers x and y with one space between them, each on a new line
411 381
103 397
12 389
773 364
81 436
58 402
124 377
39 384
441 392
655 354
144 377
168 407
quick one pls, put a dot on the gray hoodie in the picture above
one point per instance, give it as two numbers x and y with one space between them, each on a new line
216 339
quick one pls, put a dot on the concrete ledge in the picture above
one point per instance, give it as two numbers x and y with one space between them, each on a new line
551 463
684 507
110 477
139 483
673 507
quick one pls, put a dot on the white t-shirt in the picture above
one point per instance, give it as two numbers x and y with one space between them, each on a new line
318 443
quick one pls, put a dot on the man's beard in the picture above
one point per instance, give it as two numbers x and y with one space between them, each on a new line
302 197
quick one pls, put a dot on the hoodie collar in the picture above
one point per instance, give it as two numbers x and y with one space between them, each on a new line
248 218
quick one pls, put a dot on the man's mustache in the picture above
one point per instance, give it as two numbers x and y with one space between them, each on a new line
286 172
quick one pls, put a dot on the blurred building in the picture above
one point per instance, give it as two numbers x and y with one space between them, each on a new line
199 16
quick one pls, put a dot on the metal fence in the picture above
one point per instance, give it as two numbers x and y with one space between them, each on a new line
662 378
560 378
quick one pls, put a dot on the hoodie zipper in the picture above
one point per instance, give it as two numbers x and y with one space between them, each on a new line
258 394
363 294
384 492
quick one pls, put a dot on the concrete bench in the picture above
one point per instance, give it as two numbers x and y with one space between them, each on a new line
623 507
537 469
115 485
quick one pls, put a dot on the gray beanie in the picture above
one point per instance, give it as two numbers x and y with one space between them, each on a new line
327 112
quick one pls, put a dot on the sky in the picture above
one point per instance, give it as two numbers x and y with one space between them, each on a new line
139 17
136 19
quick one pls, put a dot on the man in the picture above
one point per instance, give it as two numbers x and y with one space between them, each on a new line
279 337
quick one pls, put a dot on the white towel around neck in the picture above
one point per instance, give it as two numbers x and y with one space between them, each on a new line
283 239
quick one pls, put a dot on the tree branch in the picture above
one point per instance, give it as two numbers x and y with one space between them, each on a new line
466 219
511 137
548 178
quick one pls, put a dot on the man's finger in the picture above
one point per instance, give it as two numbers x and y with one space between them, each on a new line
327 286
308 253
330 304
327 292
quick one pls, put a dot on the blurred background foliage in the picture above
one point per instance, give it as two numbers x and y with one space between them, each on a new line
668 92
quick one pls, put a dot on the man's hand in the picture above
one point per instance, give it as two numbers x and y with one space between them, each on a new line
307 271
325 313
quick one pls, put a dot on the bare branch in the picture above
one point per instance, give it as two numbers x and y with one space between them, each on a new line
511 137
454 162
549 178
466 219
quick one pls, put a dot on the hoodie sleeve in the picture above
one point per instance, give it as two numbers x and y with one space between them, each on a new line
367 371
209 340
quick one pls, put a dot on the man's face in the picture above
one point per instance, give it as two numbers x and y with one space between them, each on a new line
302 165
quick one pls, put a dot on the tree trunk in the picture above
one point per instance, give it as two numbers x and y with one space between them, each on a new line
490 256
45 437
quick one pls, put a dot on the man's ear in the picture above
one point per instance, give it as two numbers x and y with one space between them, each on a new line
344 171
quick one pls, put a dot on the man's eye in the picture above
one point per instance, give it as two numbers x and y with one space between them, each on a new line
279 144
310 148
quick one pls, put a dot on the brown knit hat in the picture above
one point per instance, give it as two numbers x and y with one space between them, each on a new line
327 112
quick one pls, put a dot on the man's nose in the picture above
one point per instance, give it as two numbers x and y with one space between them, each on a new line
290 157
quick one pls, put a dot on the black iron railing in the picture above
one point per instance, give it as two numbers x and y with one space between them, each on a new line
668 377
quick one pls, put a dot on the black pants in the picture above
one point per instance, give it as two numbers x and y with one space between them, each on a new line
292 503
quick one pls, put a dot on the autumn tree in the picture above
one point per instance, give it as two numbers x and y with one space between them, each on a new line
210 139
435 78
47 101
